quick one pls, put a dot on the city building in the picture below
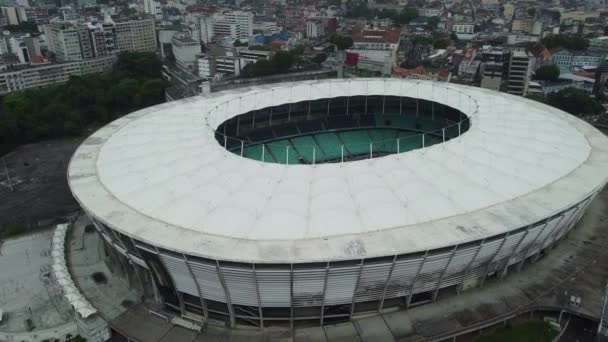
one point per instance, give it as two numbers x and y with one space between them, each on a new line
68 42
254 240
153 8
23 78
228 65
493 59
569 61
520 68
185 51
234 24
463 28
78 41
205 65
430 12
314 28
250 56
135 35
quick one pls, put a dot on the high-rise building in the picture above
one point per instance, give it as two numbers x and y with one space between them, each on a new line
102 37
73 42
152 7
205 28
243 21
519 73
223 29
185 51
135 35
314 29
64 40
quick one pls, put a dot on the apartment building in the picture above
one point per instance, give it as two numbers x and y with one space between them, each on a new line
520 67
51 74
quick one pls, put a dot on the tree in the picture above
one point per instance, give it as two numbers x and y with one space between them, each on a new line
282 61
547 73
571 100
341 42
24 26
432 22
320 58
575 101
406 15
570 42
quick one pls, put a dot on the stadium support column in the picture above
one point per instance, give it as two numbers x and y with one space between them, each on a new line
324 290
467 270
504 270
352 304
198 288
553 235
491 261
347 102
291 297
409 297
388 279
257 291
447 265
383 102
227 294
525 254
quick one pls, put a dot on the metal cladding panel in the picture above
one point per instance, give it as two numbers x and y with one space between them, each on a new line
275 287
308 287
457 267
208 280
403 276
431 271
241 285
529 239
488 250
372 281
507 249
120 249
178 270
534 246
341 284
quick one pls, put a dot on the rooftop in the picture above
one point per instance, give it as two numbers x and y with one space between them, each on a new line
160 176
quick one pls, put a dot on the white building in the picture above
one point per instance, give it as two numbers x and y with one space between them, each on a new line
314 29
53 74
205 28
185 50
205 65
430 12
68 42
250 56
243 22
224 29
463 28
153 7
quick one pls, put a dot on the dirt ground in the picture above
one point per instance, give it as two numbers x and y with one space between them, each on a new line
37 173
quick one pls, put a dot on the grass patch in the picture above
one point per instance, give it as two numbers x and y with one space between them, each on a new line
530 331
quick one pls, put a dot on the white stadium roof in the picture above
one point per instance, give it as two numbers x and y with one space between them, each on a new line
160 176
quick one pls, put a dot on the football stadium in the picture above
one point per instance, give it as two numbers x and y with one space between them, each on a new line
318 201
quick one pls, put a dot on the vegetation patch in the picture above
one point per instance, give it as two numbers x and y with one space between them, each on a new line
530 331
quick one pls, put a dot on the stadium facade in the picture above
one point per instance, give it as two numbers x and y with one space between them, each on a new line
313 202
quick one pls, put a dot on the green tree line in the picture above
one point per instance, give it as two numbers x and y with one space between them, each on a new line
361 10
281 62
571 100
66 110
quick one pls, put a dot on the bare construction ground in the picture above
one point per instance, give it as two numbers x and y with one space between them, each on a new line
37 175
